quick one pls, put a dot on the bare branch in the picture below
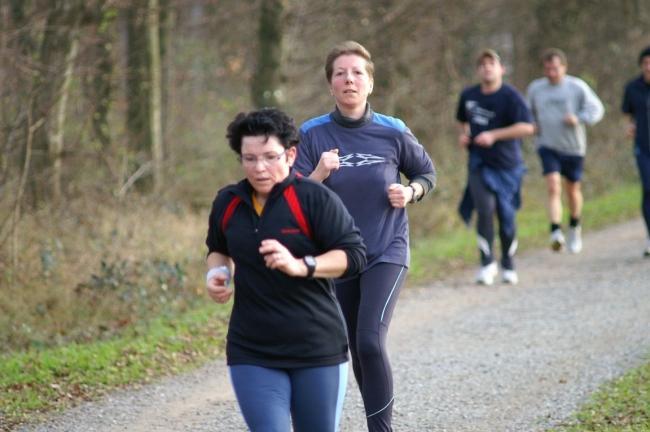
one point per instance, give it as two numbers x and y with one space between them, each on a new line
32 128
143 170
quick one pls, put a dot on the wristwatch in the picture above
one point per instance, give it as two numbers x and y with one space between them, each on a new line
413 198
310 262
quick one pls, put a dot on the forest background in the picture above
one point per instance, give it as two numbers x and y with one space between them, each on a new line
113 116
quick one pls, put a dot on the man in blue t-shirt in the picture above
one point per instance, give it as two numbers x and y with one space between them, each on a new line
636 104
493 117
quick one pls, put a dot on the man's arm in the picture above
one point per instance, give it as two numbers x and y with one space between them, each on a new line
464 138
517 130
592 109
631 126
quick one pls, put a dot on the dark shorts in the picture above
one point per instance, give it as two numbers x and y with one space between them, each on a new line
570 167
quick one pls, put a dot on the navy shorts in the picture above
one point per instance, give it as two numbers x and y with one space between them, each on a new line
569 166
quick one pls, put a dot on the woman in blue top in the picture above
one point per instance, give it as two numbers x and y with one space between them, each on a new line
359 154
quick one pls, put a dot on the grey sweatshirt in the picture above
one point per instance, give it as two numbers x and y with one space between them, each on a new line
550 103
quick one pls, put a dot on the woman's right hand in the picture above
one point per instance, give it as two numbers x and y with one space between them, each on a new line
329 161
217 288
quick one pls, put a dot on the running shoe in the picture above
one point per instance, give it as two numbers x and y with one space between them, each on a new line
486 274
574 241
510 277
557 240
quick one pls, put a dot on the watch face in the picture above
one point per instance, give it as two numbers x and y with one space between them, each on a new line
310 261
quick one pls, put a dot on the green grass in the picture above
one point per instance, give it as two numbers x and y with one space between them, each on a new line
39 381
620 406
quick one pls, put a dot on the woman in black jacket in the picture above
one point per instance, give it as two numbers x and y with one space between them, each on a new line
287 236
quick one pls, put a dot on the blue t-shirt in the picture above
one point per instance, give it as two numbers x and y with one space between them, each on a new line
636 102
485 112
372 151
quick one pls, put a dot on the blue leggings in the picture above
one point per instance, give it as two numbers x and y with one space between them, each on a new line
270 399
367 302
643 162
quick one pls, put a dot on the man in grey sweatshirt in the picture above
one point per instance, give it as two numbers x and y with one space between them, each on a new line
562 105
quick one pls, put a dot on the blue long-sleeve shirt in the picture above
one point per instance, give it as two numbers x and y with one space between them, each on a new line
373 151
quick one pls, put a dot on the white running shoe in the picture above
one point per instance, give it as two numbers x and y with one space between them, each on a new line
486 274
557 240
510 277
574 241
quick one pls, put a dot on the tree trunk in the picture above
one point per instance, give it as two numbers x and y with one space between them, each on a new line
56 139
265 85
386 43
156 95
99 86
62 20
138 115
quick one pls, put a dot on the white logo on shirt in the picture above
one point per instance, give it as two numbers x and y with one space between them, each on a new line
360 159
478 115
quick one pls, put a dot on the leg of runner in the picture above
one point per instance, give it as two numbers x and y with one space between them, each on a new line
264 397
380 287
485 204
317 396
643 162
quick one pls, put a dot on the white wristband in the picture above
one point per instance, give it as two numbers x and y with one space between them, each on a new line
220 269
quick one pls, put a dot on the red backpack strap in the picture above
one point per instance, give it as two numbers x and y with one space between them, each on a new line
232 205
296 210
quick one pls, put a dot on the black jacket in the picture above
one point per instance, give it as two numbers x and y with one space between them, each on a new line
278 320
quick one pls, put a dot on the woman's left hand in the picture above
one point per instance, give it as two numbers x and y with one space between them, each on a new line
278 257
399 195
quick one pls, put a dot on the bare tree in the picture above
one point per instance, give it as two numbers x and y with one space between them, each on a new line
99 86
57 133
265 84
57 40
156 98
138 74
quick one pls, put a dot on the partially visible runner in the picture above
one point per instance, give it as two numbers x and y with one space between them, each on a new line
359 154
493 117
562 105
287 236
636 104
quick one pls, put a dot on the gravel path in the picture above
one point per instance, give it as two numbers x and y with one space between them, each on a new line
465 358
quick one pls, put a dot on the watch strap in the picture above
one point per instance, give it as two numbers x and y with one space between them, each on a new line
310 263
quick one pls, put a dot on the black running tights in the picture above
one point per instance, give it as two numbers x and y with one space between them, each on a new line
367 302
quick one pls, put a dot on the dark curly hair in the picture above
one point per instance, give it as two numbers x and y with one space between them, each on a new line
265 121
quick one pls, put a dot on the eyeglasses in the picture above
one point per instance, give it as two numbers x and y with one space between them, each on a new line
266 159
